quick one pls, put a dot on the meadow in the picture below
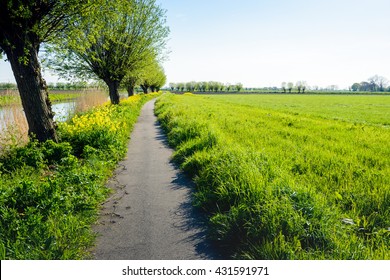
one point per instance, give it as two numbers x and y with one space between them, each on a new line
50 193
364 109
10 97
287 176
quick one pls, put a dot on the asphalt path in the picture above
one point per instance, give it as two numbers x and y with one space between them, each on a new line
150 216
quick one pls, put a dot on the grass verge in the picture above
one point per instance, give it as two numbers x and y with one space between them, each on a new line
50 193
283 185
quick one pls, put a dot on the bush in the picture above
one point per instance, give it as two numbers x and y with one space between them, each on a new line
36 155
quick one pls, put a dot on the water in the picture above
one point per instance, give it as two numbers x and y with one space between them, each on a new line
15 114
63 110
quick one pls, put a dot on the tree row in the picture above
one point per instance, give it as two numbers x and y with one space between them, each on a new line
374 84
205 87
120 42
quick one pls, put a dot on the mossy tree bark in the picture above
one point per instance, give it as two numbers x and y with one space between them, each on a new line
33 91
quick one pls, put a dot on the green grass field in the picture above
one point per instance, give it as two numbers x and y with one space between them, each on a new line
371 109
287 176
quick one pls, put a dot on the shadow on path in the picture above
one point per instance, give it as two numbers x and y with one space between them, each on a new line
190 218
150 215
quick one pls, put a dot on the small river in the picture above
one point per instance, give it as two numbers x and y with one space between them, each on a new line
14 113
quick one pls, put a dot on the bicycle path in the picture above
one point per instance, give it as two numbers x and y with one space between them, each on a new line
150 216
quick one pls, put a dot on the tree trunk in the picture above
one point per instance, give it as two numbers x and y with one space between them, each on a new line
33 92
130 90
144 88
113 87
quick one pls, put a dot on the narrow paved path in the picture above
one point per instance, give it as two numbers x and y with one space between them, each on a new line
150 215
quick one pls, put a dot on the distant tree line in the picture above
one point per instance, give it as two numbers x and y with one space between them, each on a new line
150 79
9 86
211 86
303 86
72 85
300 87
58 86
374 84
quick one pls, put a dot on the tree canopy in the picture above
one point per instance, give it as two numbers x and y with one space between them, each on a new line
116 40
153 78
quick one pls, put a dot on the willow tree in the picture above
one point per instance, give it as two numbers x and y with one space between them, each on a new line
158 79
24 26
122 35
153 77
130 81
136 75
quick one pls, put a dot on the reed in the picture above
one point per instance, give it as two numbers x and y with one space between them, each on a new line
13 128
90 99
9 96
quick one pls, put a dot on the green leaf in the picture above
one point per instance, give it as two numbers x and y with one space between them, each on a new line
338 196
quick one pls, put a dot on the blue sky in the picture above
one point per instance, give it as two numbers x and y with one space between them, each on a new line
263 43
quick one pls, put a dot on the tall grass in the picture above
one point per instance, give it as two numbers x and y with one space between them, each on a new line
90 99
8 97
13 128
283 185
